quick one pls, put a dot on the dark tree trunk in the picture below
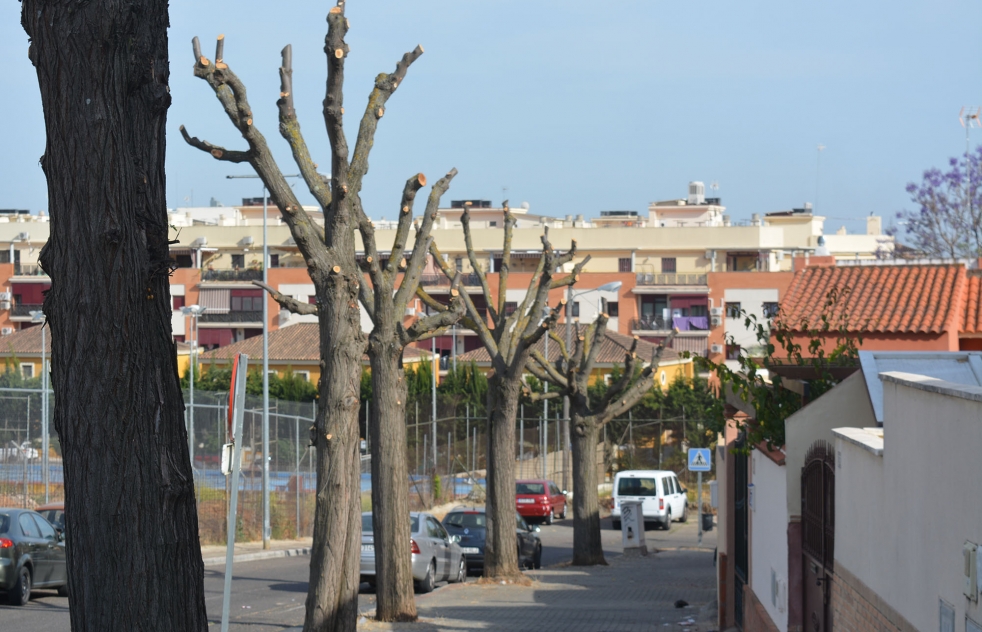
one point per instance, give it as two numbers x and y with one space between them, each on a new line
501 547
332 597
134 560
587 548
390 485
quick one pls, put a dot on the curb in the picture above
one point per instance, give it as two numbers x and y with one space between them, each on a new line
260 555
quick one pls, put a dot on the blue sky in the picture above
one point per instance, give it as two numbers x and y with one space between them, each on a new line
575 106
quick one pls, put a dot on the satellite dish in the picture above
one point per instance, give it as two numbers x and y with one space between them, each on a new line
525 205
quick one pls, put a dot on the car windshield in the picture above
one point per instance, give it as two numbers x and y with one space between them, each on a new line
530 488
470 520
366 523
637 487
4 523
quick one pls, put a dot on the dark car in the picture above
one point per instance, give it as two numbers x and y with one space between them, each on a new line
32 555
470 523
55 514
540 499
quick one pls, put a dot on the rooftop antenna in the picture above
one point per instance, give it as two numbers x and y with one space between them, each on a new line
818 173
714 185
968 116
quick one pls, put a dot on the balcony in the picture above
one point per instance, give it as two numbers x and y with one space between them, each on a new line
651 323
232 317
23 310
694 325
29 269
431 280
249 274
650 278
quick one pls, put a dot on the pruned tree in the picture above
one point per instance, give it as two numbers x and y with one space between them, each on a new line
329 253
386 305
571 377
134 560
509 339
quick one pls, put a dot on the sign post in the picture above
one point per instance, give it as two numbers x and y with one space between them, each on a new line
700 461
232 458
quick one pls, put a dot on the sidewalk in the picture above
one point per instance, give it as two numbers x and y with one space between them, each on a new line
214 554
631 594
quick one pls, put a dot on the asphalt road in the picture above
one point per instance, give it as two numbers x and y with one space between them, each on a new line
268 595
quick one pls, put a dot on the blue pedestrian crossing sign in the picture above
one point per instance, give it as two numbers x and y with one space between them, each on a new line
699 460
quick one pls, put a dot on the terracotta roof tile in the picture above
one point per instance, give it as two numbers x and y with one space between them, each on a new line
25 341
295 343
611 351
885 299
973 315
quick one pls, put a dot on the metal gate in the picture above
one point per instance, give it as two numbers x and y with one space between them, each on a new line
741 556
817 534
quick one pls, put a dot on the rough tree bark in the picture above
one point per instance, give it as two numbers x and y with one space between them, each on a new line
133 554
387 424
509 340
571 377
329 253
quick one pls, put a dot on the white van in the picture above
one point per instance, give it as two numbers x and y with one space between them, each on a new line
662 498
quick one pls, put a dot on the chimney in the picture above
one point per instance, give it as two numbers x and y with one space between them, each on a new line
755 219
874 225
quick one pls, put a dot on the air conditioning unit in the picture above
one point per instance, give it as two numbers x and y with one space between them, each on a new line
4 305
6 331
5 296
716 312
716 348
715 321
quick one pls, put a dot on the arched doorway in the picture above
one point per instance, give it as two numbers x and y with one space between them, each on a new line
817 534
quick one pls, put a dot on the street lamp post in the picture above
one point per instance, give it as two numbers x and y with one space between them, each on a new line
37 316
194 311
613 286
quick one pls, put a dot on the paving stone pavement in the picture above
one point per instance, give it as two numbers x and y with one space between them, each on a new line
631 594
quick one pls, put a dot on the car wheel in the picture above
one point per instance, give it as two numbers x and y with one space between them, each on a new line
63 591
685 513
461 571
615 525
537 560
668 521
552 515
20 592
562 516
426 584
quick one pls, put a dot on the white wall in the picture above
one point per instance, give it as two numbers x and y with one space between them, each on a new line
751 301
902 518
769 537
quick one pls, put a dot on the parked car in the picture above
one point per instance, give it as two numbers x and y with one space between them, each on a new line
540 499
32 555
55 514
470 525
662 498
436 555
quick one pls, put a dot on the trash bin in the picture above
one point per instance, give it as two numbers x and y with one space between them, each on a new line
707 522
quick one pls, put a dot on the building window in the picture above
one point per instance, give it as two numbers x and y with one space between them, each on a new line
668 265
576 309
184 261
732 352
733 310
613 307
238 261
770 310
274 261
492 224
459 264
305 375
27 370
624 264
510 307
178 302
248 303
698 310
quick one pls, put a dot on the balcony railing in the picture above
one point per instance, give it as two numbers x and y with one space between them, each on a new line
249 274
28 269
468 280
232 317
24 309
651 323
647 278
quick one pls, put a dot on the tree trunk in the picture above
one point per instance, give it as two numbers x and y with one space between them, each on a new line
501 546
134 561
587 547
332 597
390 483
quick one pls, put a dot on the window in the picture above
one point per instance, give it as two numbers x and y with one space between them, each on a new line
303 374
576 309
27 370
47 531
178 302
732 352
636 487
510 307
613 308
668 264
238 261
733 310
492 224
459 264
770 310
520 523
184 261
624 264
698 310
28 527
530 489
274 261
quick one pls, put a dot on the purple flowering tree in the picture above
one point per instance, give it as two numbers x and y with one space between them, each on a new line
948 220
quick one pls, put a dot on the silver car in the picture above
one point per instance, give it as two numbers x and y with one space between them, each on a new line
436 554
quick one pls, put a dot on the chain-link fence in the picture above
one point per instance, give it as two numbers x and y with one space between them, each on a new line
30 455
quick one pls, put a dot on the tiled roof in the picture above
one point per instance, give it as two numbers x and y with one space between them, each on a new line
885 299
973 315
296 343
25 341
611 351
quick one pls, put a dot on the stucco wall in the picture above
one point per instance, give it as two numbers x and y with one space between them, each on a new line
752 302
901 519
768 537
845 405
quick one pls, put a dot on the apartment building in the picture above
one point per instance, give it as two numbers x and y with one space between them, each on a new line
679 266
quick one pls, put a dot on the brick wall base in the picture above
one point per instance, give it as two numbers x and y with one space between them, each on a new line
856 608
755 618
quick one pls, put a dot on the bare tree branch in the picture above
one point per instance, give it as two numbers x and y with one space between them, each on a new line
465 222
550 373
288 302
480 327
616 390
636 391
217 151
505 270
413 185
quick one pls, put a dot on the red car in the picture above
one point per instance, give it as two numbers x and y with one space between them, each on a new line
542 499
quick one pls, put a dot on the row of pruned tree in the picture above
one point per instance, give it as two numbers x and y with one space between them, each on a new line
105 97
